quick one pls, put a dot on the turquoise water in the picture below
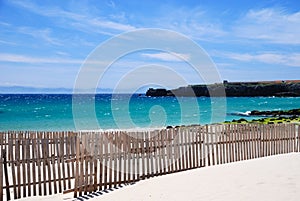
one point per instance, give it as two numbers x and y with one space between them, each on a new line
106 111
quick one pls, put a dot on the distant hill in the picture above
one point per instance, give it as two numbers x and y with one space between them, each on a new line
285 88
37 90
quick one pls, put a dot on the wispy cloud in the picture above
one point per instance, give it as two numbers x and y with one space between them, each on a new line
292 59
111 4
167 56
16 58
5 24
191 22
270 25
42 34
7 42
82 22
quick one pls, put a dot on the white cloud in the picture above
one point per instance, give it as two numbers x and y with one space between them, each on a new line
292 59
164 56
270 25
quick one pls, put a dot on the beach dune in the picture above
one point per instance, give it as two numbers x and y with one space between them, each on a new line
273 178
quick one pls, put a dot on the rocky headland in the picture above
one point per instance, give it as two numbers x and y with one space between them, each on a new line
286 88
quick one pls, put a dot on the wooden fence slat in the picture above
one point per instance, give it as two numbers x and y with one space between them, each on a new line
95 162
116 156
217 144
152 152
159 152
106 160
53 155
27 159
124 140
178 150
220 144
77 167
298 138
58 155
162 154
143 146
279 140
196 147
203 147
167 151
73 152
39 162
87 159
294 136
101 158
110 154
238 143
62 142
173 150
48 161
1 174
13 164
246 142
223 137
68 154
18 164
23 159
120 171
33 157
291 137
286 139
156 152
276 139
129 157
133 153
252 143
288 132
272 151
189 145
90 147
235 142
269 140
81 167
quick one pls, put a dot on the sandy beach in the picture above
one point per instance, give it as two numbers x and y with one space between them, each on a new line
267 179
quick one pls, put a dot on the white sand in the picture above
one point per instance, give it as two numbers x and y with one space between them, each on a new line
266 179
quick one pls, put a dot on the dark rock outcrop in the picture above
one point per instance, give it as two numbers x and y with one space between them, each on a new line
291 113
234 89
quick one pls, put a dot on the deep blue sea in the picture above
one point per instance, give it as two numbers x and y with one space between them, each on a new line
121 111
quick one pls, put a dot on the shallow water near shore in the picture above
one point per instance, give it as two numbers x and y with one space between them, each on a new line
54 112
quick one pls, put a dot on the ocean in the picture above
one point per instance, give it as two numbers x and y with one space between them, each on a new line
57 112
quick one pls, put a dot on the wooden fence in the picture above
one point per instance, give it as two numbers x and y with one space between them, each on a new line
45 163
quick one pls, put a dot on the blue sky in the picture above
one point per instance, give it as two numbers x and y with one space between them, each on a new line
44 43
